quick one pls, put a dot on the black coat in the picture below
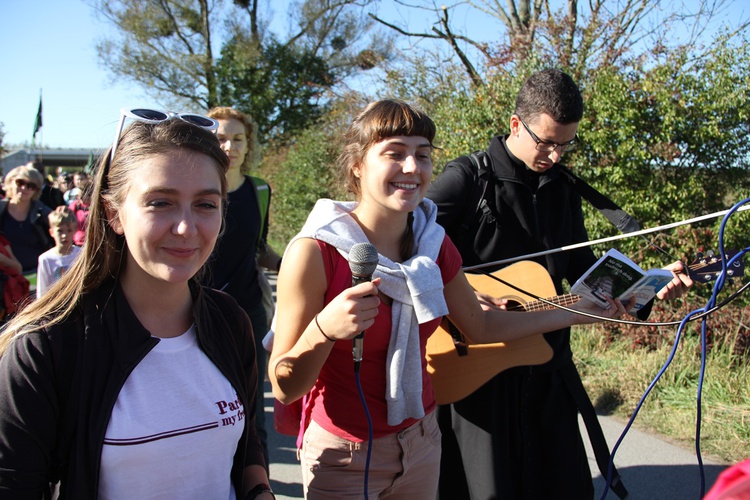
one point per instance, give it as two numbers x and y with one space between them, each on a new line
58 386
38 218
51 196
517 436
522 221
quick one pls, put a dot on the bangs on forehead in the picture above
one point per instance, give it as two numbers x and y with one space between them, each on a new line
404 121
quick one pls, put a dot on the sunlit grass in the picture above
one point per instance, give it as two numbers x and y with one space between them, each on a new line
616 375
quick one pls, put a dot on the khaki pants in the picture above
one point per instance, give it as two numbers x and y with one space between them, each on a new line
405 465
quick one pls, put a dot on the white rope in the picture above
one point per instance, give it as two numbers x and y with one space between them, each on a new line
605 240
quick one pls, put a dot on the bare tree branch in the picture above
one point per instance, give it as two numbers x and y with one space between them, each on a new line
482 47
465 60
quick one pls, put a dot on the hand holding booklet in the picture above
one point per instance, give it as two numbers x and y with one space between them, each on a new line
616 276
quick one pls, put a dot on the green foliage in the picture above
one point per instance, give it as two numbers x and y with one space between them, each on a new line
667 142
672 138
167 46
281 86
466 116
618 363
164 46
469 119
304 173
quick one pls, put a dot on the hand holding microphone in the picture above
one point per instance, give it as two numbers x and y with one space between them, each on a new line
363 260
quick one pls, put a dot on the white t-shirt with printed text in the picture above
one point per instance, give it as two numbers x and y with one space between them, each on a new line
174 429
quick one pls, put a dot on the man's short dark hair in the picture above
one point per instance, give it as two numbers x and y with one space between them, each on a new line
551 92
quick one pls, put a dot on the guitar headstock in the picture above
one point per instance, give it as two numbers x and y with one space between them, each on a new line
706 268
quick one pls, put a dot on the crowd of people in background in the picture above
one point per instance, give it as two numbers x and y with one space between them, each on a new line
37 211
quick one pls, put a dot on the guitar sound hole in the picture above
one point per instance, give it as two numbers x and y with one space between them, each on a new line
514 305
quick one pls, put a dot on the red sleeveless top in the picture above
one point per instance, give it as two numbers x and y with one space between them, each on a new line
334 402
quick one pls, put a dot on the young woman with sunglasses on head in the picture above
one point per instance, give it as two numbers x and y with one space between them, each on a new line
23 217
387 161
128 379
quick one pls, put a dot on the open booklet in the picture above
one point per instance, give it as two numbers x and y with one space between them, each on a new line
615 275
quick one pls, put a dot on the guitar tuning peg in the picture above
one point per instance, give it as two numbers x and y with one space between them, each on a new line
710 253
699 255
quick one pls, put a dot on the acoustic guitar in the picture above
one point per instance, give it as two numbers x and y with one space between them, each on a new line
459 370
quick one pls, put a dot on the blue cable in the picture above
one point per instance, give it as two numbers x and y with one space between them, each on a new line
369 426
704 342
709 305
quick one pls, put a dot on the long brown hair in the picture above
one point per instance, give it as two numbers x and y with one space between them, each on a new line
103 251
378 121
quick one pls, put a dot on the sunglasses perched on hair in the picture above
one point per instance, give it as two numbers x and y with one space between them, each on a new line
153 116
22 183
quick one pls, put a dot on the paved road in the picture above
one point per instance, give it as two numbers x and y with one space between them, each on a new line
651 467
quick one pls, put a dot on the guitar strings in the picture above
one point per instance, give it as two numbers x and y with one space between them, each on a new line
617 320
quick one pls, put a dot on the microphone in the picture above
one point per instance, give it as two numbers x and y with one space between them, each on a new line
363 260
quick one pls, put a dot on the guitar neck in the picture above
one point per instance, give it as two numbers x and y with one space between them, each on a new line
566 300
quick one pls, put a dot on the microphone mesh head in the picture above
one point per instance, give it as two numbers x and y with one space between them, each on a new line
363 259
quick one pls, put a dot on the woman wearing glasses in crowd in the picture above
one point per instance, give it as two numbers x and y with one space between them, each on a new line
23 217
387 162
233 267
128 379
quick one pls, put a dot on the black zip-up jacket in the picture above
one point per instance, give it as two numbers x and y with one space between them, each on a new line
58 386
546 218
518 435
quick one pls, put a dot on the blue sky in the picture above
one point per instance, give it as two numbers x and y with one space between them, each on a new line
50 45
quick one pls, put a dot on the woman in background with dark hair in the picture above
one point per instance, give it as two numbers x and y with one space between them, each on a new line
128 379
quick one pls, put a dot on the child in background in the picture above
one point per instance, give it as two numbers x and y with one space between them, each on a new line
54 262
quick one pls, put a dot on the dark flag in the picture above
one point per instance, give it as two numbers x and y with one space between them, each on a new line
38 121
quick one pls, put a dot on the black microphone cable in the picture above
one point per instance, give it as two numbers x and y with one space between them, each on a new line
369 428
363 260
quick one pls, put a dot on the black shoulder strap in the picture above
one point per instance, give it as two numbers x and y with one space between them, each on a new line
263 195
477 203
482 163
572 381
622 220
